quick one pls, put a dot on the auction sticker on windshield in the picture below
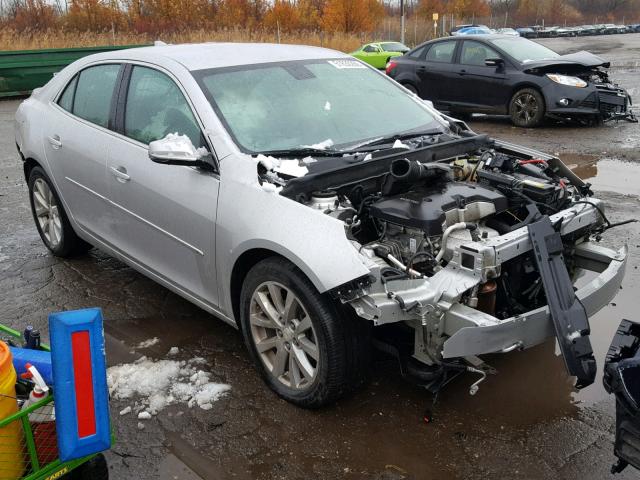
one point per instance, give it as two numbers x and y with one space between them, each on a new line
346 64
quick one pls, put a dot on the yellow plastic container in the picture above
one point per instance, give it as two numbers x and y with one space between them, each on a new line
12 460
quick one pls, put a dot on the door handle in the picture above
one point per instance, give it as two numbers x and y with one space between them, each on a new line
120 173
462 72
422 69
55 142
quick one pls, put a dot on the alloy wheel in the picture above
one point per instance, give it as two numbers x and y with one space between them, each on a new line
284 336
47 213
526 107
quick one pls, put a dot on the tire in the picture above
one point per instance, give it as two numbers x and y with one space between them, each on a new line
313 335
527 108
94 469
51 219
410 87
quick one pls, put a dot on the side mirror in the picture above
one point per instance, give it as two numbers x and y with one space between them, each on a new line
176 149
494 62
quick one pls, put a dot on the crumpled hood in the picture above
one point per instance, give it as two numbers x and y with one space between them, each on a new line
572 61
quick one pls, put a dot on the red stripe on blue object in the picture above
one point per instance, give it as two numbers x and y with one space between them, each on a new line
83 379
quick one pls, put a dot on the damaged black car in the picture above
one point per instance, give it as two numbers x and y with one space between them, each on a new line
501 74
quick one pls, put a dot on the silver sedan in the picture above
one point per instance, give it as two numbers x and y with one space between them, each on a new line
318 206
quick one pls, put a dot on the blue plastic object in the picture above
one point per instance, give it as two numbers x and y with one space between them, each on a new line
80 393
38 358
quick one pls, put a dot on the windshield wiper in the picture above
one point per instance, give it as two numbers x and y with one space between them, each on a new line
394 137
302 151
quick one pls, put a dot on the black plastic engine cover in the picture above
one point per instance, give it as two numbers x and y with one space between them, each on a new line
425 208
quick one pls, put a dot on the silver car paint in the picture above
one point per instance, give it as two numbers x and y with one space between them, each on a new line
195 249
248 216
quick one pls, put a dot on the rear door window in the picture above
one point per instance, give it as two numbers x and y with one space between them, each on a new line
441 52
92 100
156 107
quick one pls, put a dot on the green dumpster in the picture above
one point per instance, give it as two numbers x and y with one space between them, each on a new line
23 70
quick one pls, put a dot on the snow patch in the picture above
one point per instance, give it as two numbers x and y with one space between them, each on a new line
327 106
399 144
323 145
270 187
148 343
269 163
173 351
159 383
292 168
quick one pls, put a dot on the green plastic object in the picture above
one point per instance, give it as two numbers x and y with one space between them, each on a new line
34 469
22 71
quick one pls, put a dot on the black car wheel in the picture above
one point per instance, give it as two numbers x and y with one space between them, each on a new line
305 349
527 108
410 87
51 219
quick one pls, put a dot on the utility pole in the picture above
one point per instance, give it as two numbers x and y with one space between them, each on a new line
401 21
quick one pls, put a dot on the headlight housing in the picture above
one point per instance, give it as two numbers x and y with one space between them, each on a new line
567 80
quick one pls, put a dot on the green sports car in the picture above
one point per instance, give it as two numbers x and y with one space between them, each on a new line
377 54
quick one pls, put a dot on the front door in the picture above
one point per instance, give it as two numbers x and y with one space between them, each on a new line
164 215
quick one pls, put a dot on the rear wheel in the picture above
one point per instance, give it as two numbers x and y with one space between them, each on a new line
51 219
306 351
527 108
410 87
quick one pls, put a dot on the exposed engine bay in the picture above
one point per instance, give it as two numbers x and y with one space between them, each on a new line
473 247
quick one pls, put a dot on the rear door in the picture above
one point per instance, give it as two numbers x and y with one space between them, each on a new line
476 85
77 139
164 215
435 71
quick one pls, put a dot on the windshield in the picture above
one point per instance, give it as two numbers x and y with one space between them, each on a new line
393 47
524 50
317 103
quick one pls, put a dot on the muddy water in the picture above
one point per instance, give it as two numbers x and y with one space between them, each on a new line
619 182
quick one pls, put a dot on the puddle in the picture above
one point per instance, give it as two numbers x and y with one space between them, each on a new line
605 174
618 177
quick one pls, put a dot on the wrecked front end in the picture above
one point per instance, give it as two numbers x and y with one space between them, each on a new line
473 247
580 87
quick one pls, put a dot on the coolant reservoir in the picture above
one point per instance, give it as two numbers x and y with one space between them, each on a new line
11 436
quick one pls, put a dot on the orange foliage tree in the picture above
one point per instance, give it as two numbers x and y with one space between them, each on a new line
283 15
33 15
93 15
352 16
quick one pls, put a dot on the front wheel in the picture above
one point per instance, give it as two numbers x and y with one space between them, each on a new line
305 350
527 108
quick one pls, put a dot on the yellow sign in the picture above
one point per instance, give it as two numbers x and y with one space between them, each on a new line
435 17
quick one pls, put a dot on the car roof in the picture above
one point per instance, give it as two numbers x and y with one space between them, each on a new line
199 56
479 36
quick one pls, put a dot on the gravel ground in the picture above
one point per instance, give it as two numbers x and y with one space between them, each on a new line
527 422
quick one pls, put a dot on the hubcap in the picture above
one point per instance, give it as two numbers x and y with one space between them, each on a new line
282 332
47 213
526 106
